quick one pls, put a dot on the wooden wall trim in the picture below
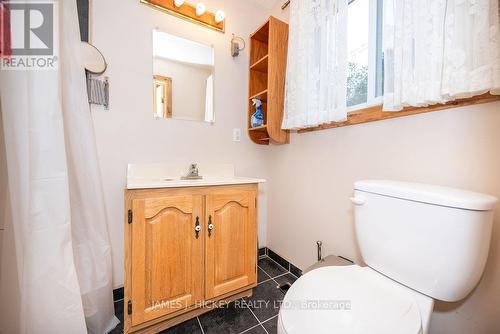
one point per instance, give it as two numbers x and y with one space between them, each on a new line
375 113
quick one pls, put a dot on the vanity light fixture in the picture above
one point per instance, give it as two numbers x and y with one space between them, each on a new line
178 3
196 13
219 16
200 9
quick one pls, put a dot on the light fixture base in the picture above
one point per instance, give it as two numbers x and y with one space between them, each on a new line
188 12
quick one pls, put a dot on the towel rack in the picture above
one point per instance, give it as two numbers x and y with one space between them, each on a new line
95 66
98 90
285 4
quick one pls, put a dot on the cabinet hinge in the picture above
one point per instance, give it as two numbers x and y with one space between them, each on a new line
130 216
129 307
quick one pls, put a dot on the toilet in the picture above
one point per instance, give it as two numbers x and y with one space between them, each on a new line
420 242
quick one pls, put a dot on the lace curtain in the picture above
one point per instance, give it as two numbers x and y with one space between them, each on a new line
437 51
317 63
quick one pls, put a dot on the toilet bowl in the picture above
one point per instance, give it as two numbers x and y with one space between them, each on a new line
420 243
352 299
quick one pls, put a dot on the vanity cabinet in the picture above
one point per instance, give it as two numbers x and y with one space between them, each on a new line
230 247
185 249
166 257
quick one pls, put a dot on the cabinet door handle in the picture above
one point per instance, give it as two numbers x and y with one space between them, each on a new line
197 227
210 225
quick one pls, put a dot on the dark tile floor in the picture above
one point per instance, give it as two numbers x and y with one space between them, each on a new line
257 314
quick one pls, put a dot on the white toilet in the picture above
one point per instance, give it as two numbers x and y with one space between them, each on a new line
420 242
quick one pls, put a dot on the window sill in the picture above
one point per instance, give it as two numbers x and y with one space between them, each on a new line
375 113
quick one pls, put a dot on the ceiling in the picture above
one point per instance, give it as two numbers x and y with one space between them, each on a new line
266 3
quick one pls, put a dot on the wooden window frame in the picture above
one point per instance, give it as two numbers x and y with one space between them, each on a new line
375 113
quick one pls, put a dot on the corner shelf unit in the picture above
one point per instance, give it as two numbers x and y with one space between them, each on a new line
268 52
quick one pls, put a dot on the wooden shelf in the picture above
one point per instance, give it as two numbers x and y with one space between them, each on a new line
266 81
261 64
259 128
262 32
261 96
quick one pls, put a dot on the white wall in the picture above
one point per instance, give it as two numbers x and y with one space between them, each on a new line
457 147
122 30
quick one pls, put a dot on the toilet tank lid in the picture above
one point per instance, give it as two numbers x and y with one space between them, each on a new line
427 193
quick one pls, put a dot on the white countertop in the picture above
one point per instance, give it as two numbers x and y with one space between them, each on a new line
152 176
177 183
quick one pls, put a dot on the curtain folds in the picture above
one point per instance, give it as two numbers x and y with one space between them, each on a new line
440 50
62 244
317 63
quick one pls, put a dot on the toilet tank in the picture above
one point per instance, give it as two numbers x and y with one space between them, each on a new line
432 239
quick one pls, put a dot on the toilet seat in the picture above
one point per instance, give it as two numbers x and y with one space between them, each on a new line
348 300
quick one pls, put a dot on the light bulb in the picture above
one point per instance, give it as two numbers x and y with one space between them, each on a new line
178 3
219 16
200 9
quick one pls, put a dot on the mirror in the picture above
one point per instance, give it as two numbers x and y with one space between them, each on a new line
183 78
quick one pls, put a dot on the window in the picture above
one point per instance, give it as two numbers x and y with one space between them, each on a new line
364 41
354 53
365 65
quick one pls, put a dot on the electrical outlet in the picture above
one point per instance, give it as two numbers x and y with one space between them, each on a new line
236 135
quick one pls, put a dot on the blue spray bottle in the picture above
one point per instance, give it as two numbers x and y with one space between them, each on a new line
257 117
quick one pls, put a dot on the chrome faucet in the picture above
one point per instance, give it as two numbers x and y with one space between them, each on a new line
192 173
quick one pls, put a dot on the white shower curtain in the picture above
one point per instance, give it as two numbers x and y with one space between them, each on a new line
62 245
440 50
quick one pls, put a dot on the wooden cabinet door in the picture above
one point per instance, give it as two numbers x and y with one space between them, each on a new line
231 246
166 255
